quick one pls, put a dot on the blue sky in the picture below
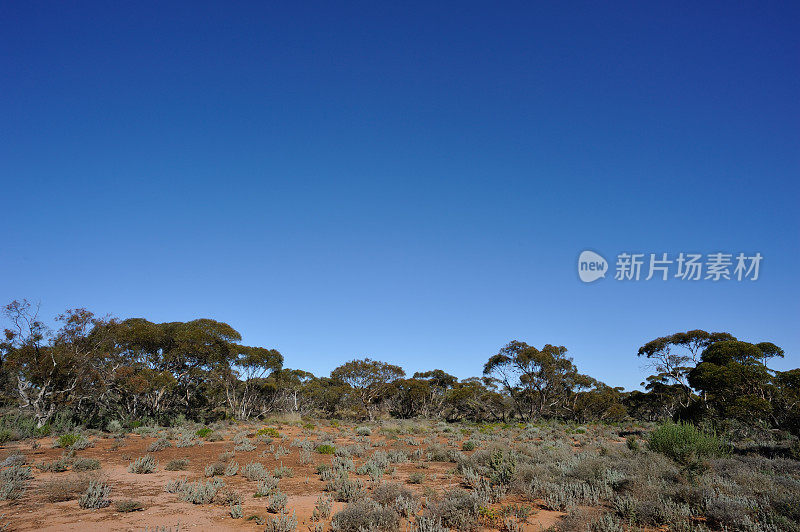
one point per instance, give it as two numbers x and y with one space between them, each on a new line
408 182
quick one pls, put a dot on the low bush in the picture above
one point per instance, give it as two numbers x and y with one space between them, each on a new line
283 523
276 502
143 465
86 464
365 514
179 464
159 445
684 442
66 441
326 449
128 505
268 431
254 471
65 489
458 509
96 495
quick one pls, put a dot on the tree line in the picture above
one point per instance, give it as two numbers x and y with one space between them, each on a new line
97 369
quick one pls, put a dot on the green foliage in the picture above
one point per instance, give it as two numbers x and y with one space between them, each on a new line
684 442
326 449
268 431
203 432
66 441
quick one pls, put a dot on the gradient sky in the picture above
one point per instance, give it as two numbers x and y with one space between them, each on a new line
407 181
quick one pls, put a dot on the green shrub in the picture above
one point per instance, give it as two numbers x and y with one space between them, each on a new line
469 445
268 431
684 442
6 435
202 433
66 441
326 449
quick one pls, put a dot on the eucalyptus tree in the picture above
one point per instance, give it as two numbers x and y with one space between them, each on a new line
371 380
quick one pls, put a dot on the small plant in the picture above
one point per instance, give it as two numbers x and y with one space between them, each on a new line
86 464
199 492
128 505
364 431
282 471
180 464
67 440
326 449
276 502
14 482
81 443
56 466
245 446
266 487
96 495
268 431
365 514
503 464
426 523
344 489
212 470
632 442
416 478
159 445
469 445
322 508
283 523
254 471
231 469
202 433
236 511
143 465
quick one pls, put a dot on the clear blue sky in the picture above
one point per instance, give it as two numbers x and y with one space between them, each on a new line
406 181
